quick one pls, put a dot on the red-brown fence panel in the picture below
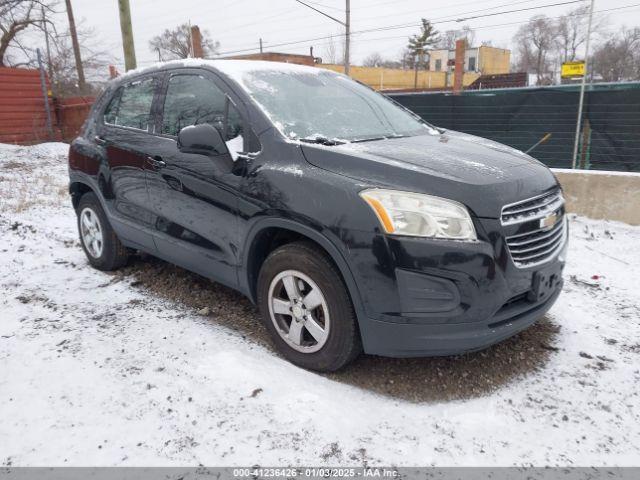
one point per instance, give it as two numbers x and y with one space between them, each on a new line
22 112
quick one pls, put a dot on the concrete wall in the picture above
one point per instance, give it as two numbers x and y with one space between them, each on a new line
602 195
493 60
395 78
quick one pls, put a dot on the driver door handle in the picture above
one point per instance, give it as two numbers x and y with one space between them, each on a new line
156 162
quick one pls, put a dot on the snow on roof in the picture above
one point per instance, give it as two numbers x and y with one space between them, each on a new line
233 68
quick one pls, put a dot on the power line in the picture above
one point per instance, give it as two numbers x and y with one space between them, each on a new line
517 10
320 12
412 12
452 16
396 27
493 26
326 6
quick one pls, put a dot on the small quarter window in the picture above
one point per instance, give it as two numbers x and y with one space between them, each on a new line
111 112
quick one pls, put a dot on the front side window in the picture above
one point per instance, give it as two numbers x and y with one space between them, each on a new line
131 105
307 105
194 99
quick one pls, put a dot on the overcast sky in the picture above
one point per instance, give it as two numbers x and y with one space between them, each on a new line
238 24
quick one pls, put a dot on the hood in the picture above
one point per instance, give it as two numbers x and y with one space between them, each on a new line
482 174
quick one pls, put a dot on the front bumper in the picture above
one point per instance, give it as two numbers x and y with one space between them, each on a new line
428 298
417 339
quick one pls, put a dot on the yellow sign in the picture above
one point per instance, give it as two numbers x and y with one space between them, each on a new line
572 69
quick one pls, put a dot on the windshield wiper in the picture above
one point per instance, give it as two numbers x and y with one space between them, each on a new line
374 139
322 140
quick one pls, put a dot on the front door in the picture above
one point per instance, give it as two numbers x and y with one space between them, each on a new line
193 197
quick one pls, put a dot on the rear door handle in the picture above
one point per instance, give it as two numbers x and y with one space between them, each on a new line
156 162
99 140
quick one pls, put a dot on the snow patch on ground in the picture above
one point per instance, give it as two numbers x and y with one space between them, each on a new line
94 370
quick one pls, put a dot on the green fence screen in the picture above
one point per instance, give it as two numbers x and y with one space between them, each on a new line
520 117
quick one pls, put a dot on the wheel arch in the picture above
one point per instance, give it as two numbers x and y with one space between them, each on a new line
271 233
77 189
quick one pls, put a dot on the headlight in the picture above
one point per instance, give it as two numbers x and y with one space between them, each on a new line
419 215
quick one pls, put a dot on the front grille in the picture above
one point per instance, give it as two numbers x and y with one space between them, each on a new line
532 208
537 246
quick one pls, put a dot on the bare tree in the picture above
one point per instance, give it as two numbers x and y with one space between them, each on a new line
373 60
95 62
15 17
333 52
61 65
330 54
571 32
449 37
618 59
176 43
534 45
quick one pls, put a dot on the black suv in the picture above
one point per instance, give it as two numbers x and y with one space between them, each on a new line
352 223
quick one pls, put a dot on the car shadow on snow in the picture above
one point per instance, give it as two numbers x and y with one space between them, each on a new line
413 379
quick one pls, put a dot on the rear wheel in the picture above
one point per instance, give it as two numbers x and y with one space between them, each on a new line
306 308
99 242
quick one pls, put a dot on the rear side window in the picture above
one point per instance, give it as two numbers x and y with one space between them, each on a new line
192 100
131 105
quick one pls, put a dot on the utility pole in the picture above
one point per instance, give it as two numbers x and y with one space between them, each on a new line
260 45
46 41
45 95
82 85
582 88
347 29
347 38
127 35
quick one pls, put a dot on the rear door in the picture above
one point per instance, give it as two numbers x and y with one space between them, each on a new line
194 197
125 134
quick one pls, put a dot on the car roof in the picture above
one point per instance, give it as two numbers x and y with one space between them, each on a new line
232 68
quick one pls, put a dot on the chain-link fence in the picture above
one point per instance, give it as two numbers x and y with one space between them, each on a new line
522 117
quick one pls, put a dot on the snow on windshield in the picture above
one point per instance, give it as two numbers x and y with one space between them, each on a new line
308 103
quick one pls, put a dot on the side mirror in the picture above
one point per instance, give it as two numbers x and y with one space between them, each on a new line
202 139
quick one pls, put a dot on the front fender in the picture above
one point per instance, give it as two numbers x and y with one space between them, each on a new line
332 247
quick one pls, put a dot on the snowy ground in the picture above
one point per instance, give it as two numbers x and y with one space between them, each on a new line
155 366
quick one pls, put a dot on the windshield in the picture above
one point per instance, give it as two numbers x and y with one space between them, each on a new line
325 105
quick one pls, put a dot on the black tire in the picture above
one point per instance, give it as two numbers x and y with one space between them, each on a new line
343 342
113 254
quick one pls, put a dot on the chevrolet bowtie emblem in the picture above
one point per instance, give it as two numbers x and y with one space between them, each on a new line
549 221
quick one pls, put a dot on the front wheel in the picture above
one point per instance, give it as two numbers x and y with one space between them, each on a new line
307 309
99 242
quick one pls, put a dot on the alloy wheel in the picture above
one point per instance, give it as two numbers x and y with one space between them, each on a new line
299 311
91 232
